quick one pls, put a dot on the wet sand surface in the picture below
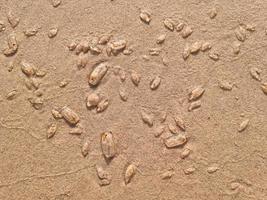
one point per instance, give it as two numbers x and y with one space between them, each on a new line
133 100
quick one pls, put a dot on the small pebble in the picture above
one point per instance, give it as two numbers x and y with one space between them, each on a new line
212 169
11 95
187 31
55 3
13 19
168 174
185 153
51 131
213 13
2 26
92 100
52 32
180 26
189 170
161 39
145 16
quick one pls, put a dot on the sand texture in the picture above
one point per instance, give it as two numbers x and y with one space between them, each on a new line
133 100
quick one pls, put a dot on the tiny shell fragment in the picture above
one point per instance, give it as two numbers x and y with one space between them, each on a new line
82 61
116 69
255 73
195 47
108 145
64 83
127 52
154 51
118 46
36 102
264 88
27 68
102 105
51 130
10 66
39 92
78 49
72 45
179 26
145 57
101 173
163 116
135 77
11 95
243 125
12 19
155 83
76 130
129 173
250 27
196 93
92 100
172 128
28 83
147 118
186 52
69 115
194 105
180 122
175 141
122 75
145 16
98 73
212 13
56 114
35 82
167 175
12 45
187 31
52 32
185 153
55 3
30 32
159 130
2 26
212 169
240 33
104 182
169 24
85 148
165 61
84 45
225 85
236 47
235 186
189 170
95 50
123 94
214 55
104 39
161 39
94 41
12 41
104 176
108 51
205 46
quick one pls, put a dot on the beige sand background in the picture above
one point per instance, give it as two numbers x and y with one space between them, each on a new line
34 167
